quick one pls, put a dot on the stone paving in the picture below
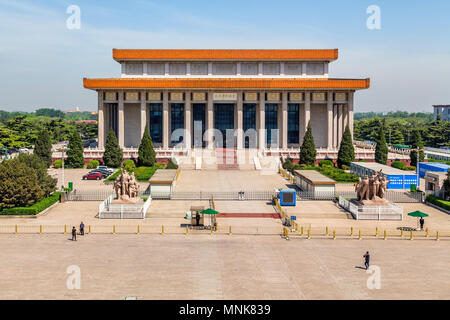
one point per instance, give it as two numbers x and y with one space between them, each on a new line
219 267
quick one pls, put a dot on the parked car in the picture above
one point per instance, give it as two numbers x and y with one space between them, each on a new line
12 150
24 150
105 168
92 176
105 174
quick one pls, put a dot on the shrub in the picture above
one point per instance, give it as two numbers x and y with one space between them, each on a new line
398 164
381 149
171 165
326 163
438 201
345 167
45 181
93 164
129 166
35 208
288 165
410 168
57 164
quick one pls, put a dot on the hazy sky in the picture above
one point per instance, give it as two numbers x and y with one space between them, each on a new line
43 62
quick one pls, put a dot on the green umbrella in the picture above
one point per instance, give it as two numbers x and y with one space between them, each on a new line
209 211
418 214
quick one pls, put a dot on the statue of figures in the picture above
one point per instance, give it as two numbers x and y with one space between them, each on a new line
126 183
133 186
118 186
362 189
383 186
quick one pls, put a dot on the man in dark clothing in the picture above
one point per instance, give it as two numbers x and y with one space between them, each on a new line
422 221
366 259
74 234
82 228
197 219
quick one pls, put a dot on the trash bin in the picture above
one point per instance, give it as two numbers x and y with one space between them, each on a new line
71 185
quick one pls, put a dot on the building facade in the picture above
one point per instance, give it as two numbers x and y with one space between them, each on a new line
443 111
225 98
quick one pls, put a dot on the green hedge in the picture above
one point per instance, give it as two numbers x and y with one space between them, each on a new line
336 174
34 209
93 164
433 160
398 164
438 201
142 174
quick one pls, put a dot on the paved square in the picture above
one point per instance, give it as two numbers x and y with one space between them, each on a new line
220 267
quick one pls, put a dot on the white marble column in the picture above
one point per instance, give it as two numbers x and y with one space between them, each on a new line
240 123
284 121
101 121
187 139
307 114
121 121
210 121
262 121
330 120
345 116
143 111
335 124
340 131
165 120
350 97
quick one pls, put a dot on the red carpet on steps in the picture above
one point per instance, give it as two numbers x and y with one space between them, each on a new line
249 215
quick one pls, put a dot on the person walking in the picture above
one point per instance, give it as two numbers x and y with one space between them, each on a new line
82 228
422 222
74 234
367 259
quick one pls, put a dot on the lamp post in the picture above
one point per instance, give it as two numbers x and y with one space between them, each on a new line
62 149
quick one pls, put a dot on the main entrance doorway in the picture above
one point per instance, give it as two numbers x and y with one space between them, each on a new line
223 121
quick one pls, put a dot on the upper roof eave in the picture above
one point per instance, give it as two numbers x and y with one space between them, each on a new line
225 54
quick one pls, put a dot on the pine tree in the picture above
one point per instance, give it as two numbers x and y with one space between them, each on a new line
113 155
381 150
416 149
308 148
346 152
46 182
43 147
147 155
171 165
75 158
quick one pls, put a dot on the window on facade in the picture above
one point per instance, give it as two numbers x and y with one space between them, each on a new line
271 123
249 123
199 68
156 122
113 107
293 68
199 124
293 123
249 68
224 68
176 121
135 68
315 68
155 69
271 68
177 68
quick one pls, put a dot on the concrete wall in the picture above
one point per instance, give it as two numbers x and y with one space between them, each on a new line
319 122
132 123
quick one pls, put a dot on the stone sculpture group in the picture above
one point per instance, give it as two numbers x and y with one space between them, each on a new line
126 187
372 189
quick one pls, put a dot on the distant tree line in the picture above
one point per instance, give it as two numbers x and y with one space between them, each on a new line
22 130
400 130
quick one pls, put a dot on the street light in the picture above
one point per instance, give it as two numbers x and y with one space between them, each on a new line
62 149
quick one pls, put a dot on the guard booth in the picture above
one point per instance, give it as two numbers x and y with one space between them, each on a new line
195 212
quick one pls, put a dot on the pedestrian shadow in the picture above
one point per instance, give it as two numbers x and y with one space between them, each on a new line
359 267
